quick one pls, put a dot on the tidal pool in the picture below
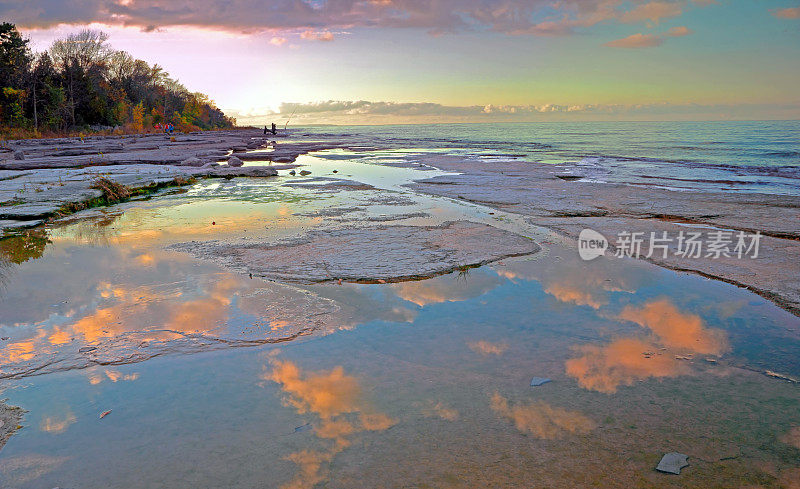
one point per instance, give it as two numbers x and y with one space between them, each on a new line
413 384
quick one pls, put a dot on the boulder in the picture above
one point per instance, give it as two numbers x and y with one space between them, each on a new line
193 161
234 161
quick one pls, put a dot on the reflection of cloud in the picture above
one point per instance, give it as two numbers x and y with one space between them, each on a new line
675 329
486 348
440 410
604 368
787 13
623 361
335 398
792 437
57 425
541 419
26 468
445 289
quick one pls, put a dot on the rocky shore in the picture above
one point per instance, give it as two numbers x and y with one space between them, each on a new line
45 178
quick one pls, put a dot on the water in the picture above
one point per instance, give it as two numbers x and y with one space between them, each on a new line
761 157
216 379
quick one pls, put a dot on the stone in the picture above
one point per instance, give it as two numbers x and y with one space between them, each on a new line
537 381
193 161
86 349
672 463
234 161
19 155
305 172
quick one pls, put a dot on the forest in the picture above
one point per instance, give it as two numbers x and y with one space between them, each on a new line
82 84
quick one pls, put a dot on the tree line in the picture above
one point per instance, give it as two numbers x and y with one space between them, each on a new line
81 82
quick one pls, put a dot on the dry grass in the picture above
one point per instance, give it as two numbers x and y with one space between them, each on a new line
112 191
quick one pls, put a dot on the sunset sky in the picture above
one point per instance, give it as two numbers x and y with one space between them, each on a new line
379 61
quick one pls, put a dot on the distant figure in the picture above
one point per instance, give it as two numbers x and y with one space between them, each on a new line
171 128
274 129
265 130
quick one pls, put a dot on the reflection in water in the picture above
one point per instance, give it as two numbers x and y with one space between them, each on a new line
27 468
486 348
57 424
541 419
626 360
335 398
440 410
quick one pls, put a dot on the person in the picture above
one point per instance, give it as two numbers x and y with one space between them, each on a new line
265 130
274 129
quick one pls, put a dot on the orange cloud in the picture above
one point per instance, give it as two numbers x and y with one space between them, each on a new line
310 35
636 41
541 419
486 348
278 41
787 13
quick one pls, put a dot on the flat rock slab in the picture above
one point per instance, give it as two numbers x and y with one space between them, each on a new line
369 254
672 463
537 381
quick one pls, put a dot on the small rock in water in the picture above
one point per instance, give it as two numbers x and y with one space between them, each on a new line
335 171
292 172
5 338
105 413
234 161
537 381
305 172
305 427
672 463
86 349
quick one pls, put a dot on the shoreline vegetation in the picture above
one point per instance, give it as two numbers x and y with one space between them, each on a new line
81 86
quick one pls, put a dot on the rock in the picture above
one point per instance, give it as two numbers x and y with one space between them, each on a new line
672 463
210 164
86 349
292 173
305 172
19 155
234 161
537 381
193 161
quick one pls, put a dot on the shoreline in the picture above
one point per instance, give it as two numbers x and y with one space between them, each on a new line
32 192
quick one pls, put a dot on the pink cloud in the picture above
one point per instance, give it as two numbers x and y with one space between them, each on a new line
787 13
278 41
652 12
310 35
638 40
679 31
323 19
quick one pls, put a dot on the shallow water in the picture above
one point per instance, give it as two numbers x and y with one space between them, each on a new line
736 156
411 384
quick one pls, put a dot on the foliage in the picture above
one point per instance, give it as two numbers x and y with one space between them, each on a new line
81 82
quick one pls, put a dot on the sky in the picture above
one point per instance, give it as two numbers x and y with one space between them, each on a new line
412 61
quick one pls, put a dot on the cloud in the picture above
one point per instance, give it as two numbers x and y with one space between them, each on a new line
368 112
787 13
311 35
278 41
514 17
679 31
636 41
652 12
541 419
640 40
